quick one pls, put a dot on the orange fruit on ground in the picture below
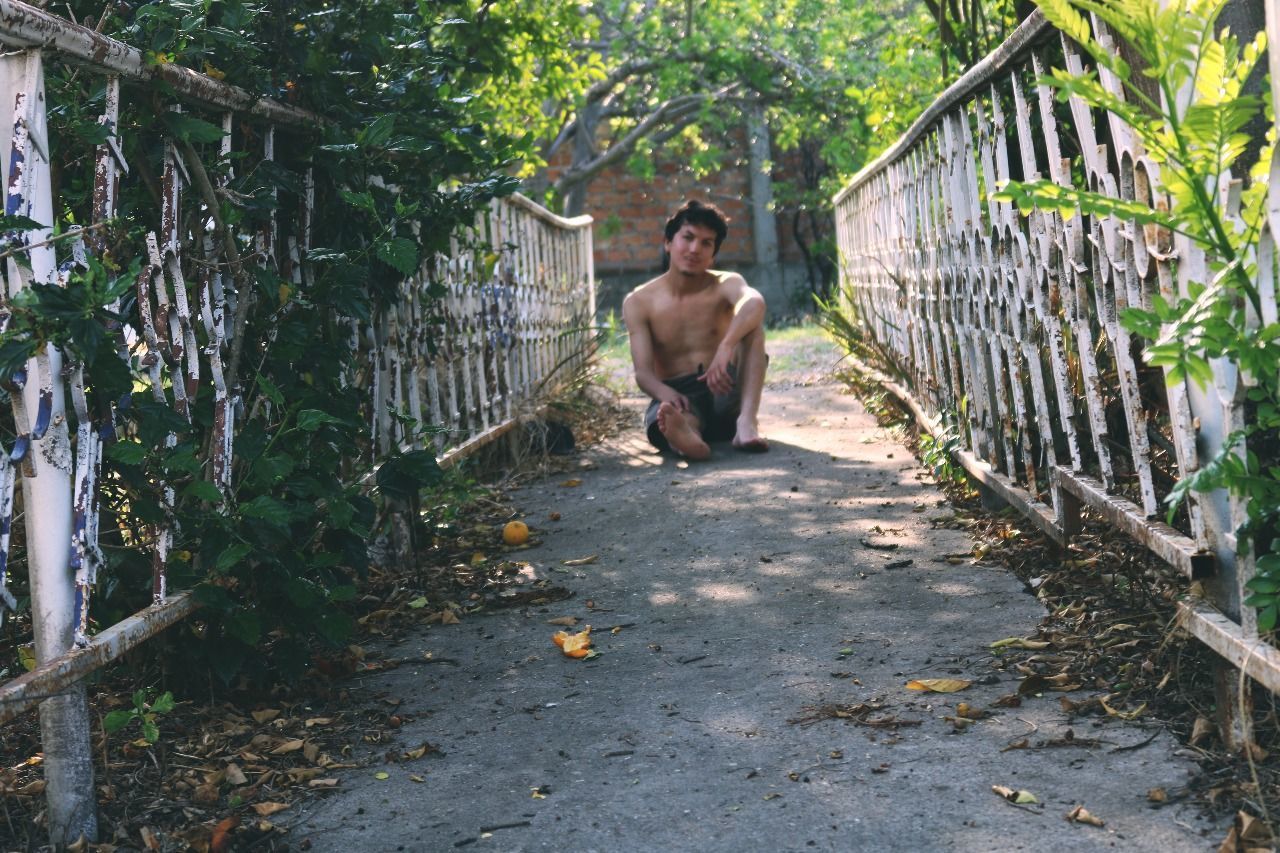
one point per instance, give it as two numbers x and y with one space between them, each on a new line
515 533
574 645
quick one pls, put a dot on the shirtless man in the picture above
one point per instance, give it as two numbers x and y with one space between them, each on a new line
697 343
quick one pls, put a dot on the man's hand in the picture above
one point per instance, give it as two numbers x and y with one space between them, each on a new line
717 375
675 398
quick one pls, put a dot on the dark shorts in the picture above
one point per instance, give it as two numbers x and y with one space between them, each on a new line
718 413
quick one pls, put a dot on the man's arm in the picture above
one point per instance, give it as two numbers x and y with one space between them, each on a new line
635 316
748 315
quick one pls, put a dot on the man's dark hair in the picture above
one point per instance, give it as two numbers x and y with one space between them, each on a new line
695 212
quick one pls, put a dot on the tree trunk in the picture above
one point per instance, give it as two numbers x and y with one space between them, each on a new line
584 151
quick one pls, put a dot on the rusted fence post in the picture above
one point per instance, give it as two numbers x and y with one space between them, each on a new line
44 452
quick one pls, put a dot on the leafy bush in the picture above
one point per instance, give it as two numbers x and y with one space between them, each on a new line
404 158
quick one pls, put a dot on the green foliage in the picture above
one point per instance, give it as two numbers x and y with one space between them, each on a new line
938 452
1197 144
409 151
146 713
842 318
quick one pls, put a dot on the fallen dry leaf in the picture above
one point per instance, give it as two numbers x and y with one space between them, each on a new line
268 809
318 721
1081 815
205 795
220 841
288 746
570 484
418 752
234 775
574 645
1124 715
322 783
1202 728
1157 795
581 561
938 685
1016 797
566 621
1020 643
265 716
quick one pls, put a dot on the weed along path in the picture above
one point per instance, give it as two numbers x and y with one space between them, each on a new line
757 620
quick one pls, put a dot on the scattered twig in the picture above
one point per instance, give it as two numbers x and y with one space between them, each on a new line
74 232
496 826
1138 745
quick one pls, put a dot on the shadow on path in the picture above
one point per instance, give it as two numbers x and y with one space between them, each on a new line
743 592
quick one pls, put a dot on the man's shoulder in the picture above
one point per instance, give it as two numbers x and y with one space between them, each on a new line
643 293
726 277
638 304
730 284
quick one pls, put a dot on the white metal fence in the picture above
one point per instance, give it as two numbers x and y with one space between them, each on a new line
513 324
1003 328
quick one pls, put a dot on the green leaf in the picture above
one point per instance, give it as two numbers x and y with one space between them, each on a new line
231 557
127 452
203 490
269 390
311 420
116 720
1267 618
400 253
401 477
245 626
347 592
362 201
164 703
19 223
213 596
150 732
268 509
190 129
378 131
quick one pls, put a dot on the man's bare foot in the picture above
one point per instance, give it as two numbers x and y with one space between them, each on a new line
749 440
681 432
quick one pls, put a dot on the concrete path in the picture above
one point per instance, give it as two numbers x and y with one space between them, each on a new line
744 597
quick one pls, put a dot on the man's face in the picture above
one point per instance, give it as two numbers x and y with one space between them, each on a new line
692 249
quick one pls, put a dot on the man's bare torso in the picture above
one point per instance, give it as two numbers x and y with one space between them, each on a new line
685 327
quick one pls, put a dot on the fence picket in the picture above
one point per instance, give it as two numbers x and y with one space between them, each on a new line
1019 316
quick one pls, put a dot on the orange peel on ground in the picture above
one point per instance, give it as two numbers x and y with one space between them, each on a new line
574 645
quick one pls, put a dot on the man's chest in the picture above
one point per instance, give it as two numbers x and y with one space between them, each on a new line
690 322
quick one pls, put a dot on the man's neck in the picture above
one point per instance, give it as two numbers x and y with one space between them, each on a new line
685 284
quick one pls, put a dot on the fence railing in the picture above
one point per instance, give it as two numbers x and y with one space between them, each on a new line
1003 329
512 326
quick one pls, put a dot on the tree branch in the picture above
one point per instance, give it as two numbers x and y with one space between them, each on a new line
676 111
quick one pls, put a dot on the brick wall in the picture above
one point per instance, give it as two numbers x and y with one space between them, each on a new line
630 211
